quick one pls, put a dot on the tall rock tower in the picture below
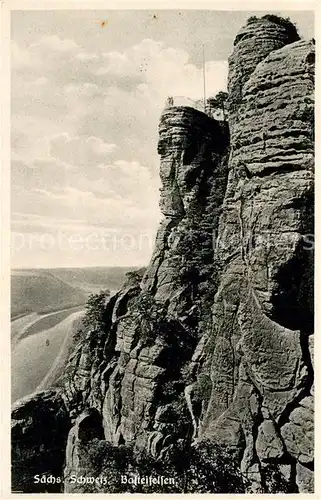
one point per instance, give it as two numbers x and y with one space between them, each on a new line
261 362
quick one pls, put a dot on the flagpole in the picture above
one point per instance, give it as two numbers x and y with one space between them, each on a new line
204 85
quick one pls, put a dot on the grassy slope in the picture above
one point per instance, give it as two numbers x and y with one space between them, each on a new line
39 291
48 290
21 324
55 374
33 359
93 279
49 321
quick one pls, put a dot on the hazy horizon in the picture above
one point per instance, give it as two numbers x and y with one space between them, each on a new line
75 267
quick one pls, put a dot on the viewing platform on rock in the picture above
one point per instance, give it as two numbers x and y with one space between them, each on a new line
199 105
183 126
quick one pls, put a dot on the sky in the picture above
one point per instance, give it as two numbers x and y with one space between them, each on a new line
88 89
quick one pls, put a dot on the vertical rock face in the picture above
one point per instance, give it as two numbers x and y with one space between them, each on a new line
253 43
193 171
215 343
132 371
261 367
39 430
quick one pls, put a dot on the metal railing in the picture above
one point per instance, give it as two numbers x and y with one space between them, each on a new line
178 100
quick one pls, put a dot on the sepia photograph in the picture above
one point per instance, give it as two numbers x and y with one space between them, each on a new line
162 250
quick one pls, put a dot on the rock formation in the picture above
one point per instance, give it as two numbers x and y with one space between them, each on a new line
131 372
40 426
261 368
215 343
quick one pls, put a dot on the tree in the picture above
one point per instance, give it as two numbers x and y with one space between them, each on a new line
286 23
218 103
207 468
215 469
151 316
135 277
95 309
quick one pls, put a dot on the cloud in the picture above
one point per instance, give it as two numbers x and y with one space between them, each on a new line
20 57
83 89
80 151
42 80
120 194
163 70
42 54
55 43
28 149
84 133
86 56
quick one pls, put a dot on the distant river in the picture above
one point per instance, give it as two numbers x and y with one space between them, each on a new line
32 358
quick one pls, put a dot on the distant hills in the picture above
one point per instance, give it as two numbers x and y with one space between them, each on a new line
39 291
46 290
93 279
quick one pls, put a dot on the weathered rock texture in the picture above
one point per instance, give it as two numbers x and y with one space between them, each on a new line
131 371
261 367
39 430
215 342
